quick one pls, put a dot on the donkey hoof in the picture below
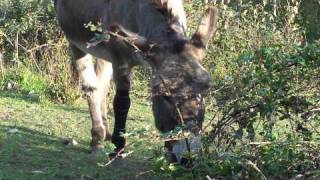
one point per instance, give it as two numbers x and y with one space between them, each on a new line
97 148
117 153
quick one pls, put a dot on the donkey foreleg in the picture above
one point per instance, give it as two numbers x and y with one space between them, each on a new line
104 73
121 104
94 92
87 73
98 131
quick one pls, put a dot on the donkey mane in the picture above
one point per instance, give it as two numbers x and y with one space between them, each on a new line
170 33
173 10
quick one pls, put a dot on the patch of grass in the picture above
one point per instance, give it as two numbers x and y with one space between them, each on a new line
32 145
25 81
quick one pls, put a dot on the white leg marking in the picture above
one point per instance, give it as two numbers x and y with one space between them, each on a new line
98 93
106 75
87 73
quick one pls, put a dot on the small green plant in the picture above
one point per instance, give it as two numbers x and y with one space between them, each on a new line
30 38
32 82
27 82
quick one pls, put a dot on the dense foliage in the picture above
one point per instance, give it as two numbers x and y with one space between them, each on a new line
264 107
32 43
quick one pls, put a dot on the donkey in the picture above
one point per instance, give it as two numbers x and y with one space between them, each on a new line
149 32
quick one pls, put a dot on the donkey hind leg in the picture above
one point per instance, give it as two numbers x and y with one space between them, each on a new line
104 73
121 104
94 92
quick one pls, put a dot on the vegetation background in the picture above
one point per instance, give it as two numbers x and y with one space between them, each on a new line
263 112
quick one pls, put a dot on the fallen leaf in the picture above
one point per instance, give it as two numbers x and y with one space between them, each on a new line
37 172
84 177
13 131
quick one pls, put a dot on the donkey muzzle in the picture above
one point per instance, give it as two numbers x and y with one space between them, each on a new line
183 147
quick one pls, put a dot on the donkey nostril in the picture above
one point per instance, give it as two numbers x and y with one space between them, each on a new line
206 82
206 86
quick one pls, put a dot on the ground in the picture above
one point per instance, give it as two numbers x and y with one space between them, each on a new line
33 138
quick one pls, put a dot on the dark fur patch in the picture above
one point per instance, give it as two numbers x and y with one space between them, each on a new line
197 42
179 45
121 106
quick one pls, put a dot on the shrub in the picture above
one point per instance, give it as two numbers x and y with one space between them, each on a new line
30 37
264 105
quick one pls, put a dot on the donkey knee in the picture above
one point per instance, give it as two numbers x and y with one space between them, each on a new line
87 73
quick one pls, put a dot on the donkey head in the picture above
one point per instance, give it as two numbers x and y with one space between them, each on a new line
179 82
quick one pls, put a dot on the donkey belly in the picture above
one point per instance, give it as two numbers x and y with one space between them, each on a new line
73 15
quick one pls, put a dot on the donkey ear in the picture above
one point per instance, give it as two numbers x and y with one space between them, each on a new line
133 39
206 28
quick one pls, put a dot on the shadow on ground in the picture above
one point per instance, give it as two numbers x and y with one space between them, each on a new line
32 143
29 154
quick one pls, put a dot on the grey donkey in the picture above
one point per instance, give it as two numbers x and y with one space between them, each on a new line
151 32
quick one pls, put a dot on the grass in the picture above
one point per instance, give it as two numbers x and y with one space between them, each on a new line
32 145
